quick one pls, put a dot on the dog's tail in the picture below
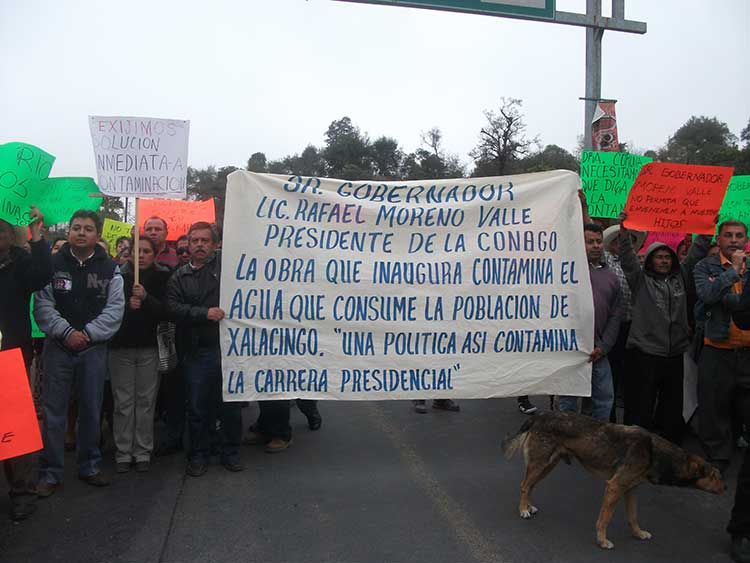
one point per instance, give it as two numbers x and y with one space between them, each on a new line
511 444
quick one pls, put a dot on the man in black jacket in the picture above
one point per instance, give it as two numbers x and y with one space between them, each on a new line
21 274
79 311
193 302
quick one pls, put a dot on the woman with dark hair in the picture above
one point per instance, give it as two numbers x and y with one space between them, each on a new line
134 360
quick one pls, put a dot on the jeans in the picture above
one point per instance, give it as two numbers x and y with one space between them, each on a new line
203 377
61 367
602 392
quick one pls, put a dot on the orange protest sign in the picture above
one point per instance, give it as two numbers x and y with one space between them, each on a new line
19 429
179 214
677 198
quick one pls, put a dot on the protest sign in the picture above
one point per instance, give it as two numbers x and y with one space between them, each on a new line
36 332
59 198
179 215
141 156
607 178
112 230
22 166
677 198
736 203
19 429
404 290
670 239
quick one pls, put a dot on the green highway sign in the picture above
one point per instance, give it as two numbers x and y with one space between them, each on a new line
524 9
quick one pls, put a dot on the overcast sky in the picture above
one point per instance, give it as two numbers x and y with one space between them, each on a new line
270 75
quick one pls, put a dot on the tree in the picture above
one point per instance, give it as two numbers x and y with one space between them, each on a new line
206 183
347 148
431 160
701 140
257 162
386 158
502 140
113 208
551 158
309 163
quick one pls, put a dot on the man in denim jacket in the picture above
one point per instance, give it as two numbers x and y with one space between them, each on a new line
724 364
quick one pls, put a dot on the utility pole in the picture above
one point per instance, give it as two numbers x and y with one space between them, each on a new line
593 90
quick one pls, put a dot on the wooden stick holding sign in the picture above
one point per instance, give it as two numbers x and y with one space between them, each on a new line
136 246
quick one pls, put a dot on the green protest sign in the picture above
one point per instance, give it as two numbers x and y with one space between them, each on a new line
606 178
21 167
59 198
112 230
736 204
36 332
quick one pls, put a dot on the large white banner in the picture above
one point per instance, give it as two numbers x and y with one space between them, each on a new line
141 156
467 288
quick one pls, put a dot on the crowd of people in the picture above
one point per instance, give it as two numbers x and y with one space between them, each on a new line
123 331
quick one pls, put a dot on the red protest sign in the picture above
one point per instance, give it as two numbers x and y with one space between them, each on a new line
179 214
672 240
19 429
677 198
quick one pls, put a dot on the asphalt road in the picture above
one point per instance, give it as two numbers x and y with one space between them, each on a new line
378 483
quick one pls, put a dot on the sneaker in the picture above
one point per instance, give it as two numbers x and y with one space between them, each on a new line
142 466
420 407
44 489
740 550
526 407
445 405
277 445
196 468
122 467
95 480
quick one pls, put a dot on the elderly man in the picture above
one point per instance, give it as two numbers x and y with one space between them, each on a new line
193 301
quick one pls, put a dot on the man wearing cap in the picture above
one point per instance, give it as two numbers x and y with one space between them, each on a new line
659 332
724 365
618 356
605 290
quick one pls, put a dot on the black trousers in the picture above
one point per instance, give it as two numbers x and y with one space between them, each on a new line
657 394
723 385
739 524
274 417
618 362
173 386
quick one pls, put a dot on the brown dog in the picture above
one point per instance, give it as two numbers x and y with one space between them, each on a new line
625 456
